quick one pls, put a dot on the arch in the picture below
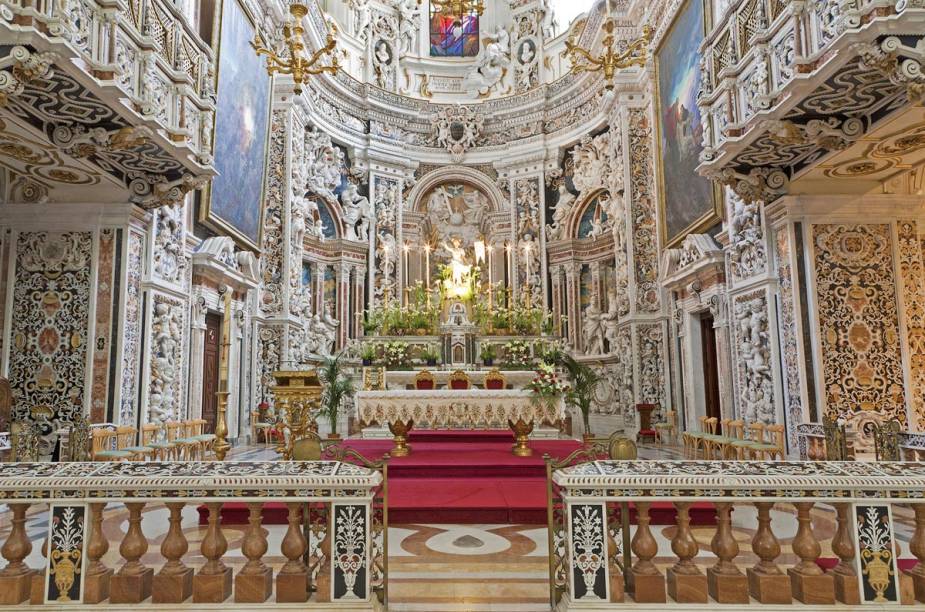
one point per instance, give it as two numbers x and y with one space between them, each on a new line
479 180
573 225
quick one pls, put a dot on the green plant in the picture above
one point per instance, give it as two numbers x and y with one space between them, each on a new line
430 353
488 352
368 352
583 381
337 388
546 386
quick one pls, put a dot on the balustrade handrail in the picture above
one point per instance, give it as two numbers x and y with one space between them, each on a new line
193 481
739 480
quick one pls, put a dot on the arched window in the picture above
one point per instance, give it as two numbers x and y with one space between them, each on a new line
453 33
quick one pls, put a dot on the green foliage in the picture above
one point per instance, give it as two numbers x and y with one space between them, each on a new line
488 351
368 351
430 352
337 388
583 381
517 355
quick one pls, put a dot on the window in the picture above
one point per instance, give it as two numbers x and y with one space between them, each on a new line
451 34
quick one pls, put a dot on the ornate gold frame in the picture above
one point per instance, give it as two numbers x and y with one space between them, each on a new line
707 220
205 216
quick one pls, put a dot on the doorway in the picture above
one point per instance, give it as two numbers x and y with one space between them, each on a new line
710 368
210 357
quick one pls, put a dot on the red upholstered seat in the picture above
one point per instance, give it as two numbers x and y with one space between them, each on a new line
494 383
459 380
459 384
424 385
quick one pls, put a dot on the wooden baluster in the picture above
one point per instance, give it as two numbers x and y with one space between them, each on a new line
808 582
174 583
132 583
725 581
292 580
617 584
254 583
648 584
686 583
766 582
846 579
212 583
37 594
96 583
917 547
16 577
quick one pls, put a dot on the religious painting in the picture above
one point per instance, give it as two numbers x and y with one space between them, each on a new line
453 35
689 202
593 222
234 201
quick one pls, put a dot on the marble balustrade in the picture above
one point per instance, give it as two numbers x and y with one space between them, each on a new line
333 543
599 563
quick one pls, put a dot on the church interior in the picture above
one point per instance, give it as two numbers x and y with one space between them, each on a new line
462 305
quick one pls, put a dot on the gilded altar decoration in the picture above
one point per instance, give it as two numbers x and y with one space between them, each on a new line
66 553
295 62
877 565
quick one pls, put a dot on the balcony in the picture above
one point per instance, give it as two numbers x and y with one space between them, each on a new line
787 84
121 90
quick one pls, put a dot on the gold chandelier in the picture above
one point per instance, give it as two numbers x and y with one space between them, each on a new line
458 8
296 63
615 55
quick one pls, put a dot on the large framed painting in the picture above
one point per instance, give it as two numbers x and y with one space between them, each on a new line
689 202
234 201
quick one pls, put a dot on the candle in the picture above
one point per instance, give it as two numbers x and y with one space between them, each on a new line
526 288
427 265
490 289
406 272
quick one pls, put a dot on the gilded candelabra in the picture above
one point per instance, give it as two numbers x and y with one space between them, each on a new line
616 55
295 63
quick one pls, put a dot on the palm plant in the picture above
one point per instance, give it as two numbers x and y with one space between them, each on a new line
583 381
337 388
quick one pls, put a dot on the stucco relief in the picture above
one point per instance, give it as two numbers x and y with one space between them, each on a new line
913 291
789 340
752 338
858 320
271 261
652 359
387 196
169 256
746 238
642 202
132 328
165 387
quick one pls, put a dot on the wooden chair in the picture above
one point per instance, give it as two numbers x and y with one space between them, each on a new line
694 439
669 425
495 380
737 445
207 440
186 447
460 380
106 447
714 443
646 431
6 404
163 450
773 448
425 381
141 452
259 427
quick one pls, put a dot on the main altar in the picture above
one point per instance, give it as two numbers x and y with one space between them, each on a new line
457 352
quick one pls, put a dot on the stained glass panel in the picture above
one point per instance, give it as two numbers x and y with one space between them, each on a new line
453 35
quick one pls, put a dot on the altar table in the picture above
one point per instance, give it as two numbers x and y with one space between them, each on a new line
456 408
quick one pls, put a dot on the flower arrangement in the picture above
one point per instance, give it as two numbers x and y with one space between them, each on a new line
430 354
396 354
517 355
546 385
368 353
488 352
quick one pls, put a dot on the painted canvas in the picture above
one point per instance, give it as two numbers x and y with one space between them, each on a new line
235 200
689 202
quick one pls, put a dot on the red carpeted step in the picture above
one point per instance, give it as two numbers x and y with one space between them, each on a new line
461 436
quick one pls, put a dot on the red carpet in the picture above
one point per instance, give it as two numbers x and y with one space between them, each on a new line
464 477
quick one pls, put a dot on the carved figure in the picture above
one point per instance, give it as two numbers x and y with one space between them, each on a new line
609 321
357 213
560 213
491 68
591 331
409 13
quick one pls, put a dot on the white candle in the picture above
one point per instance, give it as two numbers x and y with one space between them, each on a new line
489 267
427 264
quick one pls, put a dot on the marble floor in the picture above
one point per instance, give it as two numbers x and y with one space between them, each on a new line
450 568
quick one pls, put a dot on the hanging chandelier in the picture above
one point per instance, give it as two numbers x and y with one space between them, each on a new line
616 55
296 63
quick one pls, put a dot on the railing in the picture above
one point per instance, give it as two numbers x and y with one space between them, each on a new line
765 498
334 542
144 47
760 46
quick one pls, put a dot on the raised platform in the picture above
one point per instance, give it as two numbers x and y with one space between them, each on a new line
465 477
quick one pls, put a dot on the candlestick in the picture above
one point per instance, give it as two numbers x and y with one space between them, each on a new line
221 446
427 268
509 269
527 269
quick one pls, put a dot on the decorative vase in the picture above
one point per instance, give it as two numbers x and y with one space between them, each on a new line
588 564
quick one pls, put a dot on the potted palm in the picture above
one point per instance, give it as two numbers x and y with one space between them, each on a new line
429 354
337 388
368 353
583 381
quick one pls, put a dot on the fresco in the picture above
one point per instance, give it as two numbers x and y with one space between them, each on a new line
689 201
235 201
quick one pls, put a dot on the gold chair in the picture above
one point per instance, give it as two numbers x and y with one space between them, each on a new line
425 381
621 449
669 425
306 448
495 380
106 446
259 427
459 380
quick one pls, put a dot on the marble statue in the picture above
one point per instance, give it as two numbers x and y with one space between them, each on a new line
490 69
560 213
357 213
609 322
591 330
409 12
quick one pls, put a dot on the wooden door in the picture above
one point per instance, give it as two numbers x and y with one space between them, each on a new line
211 352
710 367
